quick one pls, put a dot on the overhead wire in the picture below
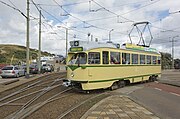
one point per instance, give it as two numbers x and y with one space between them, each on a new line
71 4
118 15
37 8
14 8
164 29
103 18
90 25
140 7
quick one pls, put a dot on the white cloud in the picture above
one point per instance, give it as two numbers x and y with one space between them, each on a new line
13 24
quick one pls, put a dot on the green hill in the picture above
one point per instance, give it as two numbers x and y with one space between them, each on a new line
17 54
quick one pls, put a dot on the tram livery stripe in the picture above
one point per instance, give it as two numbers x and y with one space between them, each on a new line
107 80
73 67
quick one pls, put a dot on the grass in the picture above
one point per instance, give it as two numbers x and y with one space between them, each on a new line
17 54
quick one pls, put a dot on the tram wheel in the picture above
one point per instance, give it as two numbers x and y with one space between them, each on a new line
152 78
121 83
114 86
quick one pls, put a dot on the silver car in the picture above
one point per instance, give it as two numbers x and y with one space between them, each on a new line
12 71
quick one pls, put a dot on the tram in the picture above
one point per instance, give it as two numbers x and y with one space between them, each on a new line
94 65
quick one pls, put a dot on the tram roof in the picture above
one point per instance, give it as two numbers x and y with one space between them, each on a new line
88 45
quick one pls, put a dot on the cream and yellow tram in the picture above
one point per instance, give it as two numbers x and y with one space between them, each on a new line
93 65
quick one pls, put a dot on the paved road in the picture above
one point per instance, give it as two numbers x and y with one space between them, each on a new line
162 99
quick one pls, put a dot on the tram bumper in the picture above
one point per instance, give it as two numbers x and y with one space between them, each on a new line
67 83
74 83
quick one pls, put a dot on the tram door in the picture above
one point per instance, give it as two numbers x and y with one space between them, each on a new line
105 57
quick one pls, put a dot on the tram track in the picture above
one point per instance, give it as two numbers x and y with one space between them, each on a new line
30 94
31 84
28 108
47 98
26 87
64 106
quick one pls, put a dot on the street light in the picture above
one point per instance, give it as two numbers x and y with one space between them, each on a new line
66 38
173 50
110 34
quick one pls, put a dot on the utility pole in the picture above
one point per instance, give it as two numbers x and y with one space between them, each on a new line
66 38
173 51
39 51
66 42
27 42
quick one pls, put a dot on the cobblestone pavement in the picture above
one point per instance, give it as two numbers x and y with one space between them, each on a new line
118 107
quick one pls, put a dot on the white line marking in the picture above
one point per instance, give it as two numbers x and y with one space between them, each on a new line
156 82
158 89
175 94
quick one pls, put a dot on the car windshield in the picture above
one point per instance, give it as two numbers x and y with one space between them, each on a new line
33 66
80 58
7 68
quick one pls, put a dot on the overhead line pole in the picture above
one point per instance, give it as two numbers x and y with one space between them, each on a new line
66 43
173 51
39 51
27 42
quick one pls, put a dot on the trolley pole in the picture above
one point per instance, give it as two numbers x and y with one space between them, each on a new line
39 51
27 42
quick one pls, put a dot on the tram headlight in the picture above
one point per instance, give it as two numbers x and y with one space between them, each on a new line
72 74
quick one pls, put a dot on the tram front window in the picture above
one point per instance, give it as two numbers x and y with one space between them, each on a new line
80 58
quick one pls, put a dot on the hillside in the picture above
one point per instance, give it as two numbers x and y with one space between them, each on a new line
17 54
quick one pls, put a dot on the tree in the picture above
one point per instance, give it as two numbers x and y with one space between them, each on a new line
177 63
166 60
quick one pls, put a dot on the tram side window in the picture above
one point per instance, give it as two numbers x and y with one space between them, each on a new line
115 57
148 59
154 58
142 59
159 60
105 57
93 58
125 58
134 58
82 58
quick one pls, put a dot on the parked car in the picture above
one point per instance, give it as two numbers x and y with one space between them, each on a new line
47 67
33 68
12 71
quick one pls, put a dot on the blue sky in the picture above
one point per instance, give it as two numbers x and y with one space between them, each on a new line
13 24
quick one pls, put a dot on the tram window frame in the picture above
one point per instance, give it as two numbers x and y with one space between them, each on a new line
105 57
94 58
142 59
134 58
148 58
158 60
125 58
115 57
78 58
154 59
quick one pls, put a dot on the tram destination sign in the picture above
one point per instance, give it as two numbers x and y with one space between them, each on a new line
76 49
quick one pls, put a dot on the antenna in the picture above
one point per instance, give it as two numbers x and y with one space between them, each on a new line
141 32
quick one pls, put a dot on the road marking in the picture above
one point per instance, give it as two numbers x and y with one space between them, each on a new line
158 89
175 94
156 82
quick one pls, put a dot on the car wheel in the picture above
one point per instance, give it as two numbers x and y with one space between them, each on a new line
3 76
